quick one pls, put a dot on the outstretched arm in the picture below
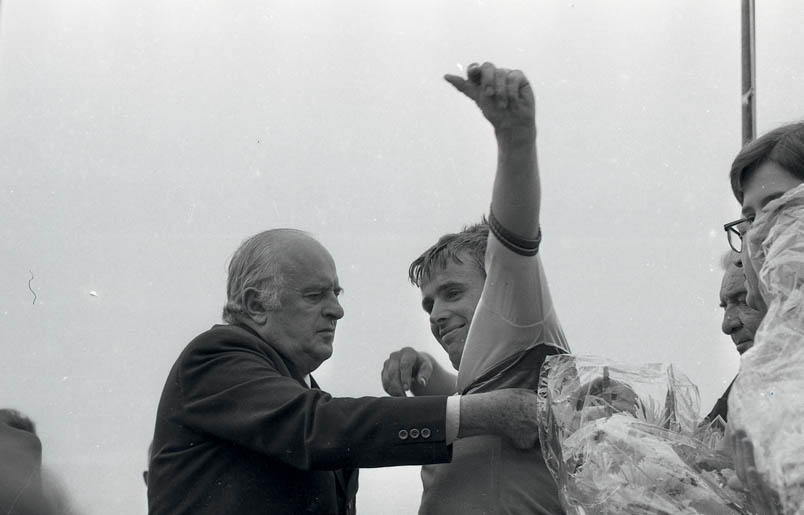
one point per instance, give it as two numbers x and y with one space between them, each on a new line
515 312
506 100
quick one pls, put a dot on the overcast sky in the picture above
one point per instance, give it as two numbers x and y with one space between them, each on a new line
141 142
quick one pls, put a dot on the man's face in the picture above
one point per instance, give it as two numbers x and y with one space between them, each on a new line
767 182
303 328
450 296
740 321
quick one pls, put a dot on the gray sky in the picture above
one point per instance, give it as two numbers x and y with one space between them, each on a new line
140 142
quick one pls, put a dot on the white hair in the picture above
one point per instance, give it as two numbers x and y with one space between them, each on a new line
255 265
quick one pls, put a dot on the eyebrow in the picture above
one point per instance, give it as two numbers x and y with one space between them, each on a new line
765 200
447 285
322 286
428 301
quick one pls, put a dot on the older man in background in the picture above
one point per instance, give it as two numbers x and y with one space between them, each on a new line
740 321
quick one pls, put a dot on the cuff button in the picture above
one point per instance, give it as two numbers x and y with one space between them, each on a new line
403 435
426 432
414 433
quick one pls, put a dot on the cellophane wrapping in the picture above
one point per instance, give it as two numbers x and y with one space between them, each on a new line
767 399
623 438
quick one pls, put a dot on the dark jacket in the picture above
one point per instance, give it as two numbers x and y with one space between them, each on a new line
20 472
238 432
721 407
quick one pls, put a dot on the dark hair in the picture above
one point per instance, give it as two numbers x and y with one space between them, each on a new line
17 420
471 242
783 146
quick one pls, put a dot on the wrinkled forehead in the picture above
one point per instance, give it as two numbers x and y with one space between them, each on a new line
733 284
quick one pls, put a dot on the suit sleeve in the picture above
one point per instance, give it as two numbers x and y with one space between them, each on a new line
237 394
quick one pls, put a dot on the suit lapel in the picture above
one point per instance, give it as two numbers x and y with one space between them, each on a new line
345 479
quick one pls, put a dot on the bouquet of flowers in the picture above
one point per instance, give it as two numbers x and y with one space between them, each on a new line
626 439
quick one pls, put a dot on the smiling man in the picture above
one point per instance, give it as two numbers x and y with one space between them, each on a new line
489 308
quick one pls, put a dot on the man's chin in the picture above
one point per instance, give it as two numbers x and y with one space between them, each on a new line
455 360
742 347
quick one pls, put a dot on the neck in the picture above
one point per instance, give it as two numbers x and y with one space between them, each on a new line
300 365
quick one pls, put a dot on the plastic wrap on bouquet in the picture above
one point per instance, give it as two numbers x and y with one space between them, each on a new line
624 439
766 399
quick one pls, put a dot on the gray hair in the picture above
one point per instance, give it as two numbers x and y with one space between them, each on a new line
255 265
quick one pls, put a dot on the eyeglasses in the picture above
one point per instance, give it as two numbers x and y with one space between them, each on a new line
734 232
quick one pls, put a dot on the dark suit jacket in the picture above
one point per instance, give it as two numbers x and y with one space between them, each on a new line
238 432
721 407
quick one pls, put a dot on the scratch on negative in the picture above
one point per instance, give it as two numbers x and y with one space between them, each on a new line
29 287
19 494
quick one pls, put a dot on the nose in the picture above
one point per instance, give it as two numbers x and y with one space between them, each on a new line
333 308
731 322
438 314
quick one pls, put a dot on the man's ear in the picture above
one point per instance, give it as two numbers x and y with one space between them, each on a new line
254 306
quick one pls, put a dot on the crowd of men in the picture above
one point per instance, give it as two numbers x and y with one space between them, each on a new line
243 427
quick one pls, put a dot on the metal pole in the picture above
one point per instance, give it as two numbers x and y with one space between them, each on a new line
748 71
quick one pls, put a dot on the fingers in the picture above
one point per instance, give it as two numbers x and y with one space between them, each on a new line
462 85
518 87
504 96
407 361
388 384
481 80
500 87
402 368
474 74
487 73
425 370
390 376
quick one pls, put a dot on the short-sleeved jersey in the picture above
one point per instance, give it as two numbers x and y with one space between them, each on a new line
514 328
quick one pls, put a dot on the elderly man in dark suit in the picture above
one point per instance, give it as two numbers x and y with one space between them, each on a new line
740 321
242 428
